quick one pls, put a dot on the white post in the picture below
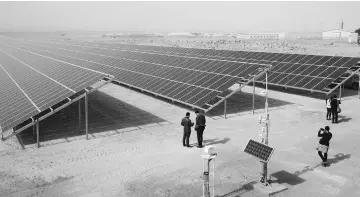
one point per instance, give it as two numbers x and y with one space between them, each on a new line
266 102
86 116
340 92
79 114
37 134
225 107
359 86
253 104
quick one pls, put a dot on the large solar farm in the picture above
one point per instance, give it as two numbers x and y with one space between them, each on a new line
97 118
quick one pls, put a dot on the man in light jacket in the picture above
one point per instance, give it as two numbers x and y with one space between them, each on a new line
187 124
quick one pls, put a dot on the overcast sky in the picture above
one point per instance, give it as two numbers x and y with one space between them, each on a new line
179 16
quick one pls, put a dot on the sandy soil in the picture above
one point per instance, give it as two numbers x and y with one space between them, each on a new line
315 46
149 160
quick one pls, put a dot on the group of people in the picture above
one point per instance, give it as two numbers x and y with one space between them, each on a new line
332 105
333 109
200 123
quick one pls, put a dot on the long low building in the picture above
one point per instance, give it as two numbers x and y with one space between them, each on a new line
336 34
275 36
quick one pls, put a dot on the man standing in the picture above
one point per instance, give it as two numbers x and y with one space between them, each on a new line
187 124
324 142
200 124
334 109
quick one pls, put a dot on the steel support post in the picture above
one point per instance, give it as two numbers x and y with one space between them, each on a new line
79 114
34 131
86 116
264 164
253 104
340 92
37 134
359 86
225 104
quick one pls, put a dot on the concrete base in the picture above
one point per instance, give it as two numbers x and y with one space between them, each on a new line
273 188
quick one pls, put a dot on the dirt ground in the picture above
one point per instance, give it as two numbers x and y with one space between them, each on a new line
146 158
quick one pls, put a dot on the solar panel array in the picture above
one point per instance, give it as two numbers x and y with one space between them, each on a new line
307 72
30 84
197 82
259 150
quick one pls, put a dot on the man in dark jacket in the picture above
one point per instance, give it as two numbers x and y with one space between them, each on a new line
334 109
200 124
187 124
324 143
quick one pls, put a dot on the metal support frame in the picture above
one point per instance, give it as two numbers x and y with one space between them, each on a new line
79 114
238 90
347 78
225 104
86 115
340 87
359 85
253 104
34 122
37 133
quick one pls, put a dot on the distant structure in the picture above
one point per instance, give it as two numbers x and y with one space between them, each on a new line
180 34
262 36
337 33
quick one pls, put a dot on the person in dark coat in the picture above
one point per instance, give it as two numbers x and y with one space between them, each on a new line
334 109
187 124
328 108
200 124
324 143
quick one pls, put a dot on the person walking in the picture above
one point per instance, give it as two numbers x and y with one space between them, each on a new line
200 124
335 109
328 108
324 143
187 124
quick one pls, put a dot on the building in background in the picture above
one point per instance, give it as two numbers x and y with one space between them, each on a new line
261 36
336 34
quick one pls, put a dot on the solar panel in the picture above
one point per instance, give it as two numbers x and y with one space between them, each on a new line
31 83
172 81
306 64
259 150
314 60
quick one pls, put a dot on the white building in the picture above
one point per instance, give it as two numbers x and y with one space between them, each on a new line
353 38
336 34
181 34
264 36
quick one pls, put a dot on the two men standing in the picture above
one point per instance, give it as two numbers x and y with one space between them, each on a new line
200 124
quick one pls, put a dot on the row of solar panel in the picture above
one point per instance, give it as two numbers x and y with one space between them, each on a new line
197 91
311 76
197 78
35 83
194 64
264 57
